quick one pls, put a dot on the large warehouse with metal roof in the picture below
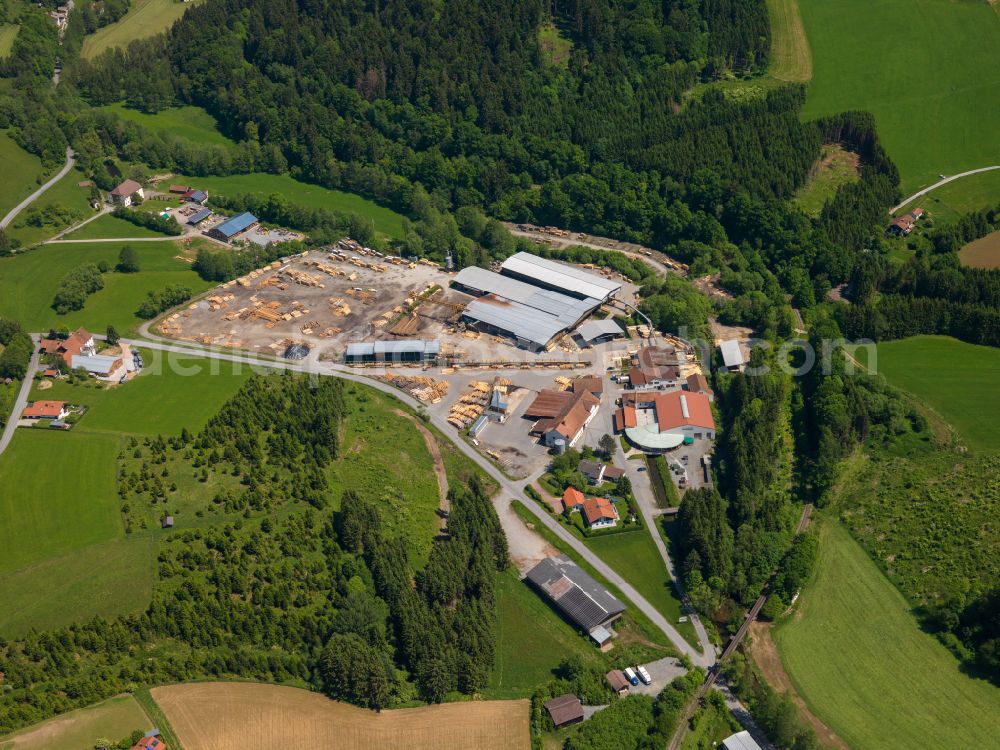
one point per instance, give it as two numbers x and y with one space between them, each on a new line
559 277
529 314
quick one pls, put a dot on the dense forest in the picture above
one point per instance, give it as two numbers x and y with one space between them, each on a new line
269 583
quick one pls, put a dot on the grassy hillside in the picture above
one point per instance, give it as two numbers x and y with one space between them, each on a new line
835 167
962 196
66 202
8 32
28 283
21 169
114 719
145 18
857 657
386 220
929 71
956 379
190 122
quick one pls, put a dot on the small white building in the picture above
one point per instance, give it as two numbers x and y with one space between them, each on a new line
732 355
740 741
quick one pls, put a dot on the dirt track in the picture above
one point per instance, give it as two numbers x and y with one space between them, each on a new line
435 451
765 654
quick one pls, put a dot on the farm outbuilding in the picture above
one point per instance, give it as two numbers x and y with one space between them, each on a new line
565 710
732 355
581 599
199 216
596 331
228 229
740 741
416 351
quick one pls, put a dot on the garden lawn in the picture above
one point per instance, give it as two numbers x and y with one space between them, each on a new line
114 719
957 380
21 170
928 70
857 657
531 640
386 221
59 495
145 18
190 122
28 282
634 556
110 227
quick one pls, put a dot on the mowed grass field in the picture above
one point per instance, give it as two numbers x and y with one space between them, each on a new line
855 654
250 716
21 170
114 719
983 253
791 58
387 221
145 18
957 380
928 69
28 282
190 122
65 194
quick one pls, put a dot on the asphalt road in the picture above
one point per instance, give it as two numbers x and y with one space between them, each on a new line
509 488
22 398
70 161
939 183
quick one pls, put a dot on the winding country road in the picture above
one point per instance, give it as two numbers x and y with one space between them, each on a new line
70 162
22 397
510 489
939 183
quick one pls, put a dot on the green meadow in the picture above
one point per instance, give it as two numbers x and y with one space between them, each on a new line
928 70
386 220
22 171
28 282
60 523
963 196
66 195
957 380
190 122
8 32
145 18
855 654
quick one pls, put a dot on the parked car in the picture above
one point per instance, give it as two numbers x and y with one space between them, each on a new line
640 468
644 675
630 675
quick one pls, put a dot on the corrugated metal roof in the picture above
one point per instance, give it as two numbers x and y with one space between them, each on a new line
569 310
740 741
594 329
97 363
522 322
731 354
575 592
200 216
364 349
389 348
561 275
235 225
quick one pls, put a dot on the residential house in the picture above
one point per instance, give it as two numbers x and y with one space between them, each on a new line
901 226
698 383
565 710
564 415
598 473
599 513
80 342
150 742
126 192
45 410
573 499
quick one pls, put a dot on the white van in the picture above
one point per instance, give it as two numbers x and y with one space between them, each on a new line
644 675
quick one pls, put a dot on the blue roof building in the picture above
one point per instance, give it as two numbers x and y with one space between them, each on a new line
200 216
232 227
